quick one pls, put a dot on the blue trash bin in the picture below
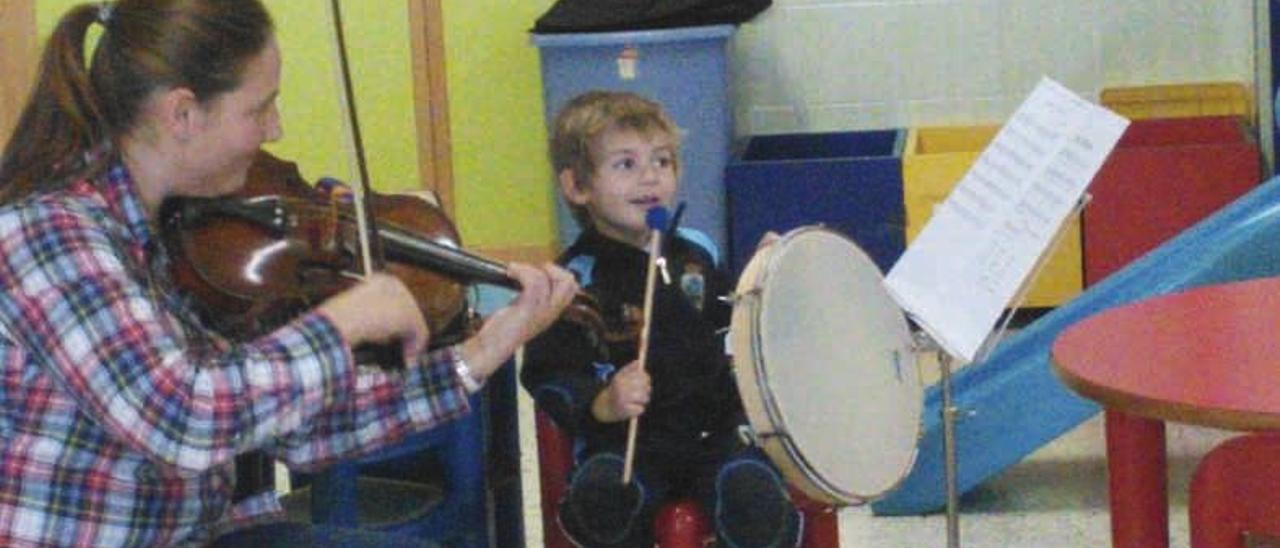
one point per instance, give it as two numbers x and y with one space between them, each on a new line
685 69
848 181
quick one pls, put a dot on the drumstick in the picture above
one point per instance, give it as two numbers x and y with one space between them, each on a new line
656 218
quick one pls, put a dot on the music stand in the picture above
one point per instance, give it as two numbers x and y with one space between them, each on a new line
926 343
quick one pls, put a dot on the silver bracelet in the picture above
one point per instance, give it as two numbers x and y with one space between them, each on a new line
468 379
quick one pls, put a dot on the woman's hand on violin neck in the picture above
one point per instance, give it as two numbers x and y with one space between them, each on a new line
379 309
544 293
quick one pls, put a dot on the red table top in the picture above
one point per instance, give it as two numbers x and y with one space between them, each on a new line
1208 356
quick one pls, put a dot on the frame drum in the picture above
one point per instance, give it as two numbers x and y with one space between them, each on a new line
824 361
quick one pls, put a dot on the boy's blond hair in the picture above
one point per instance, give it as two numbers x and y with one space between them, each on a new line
584 118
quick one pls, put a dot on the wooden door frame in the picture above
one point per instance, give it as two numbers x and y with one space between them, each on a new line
431 100
18 63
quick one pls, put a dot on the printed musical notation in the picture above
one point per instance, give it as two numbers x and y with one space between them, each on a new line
984 240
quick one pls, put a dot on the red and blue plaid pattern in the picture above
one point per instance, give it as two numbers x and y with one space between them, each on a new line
120 414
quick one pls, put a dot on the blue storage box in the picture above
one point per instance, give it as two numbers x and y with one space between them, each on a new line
847 181
685 69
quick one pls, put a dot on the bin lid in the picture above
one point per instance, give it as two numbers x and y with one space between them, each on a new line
632 37
575 16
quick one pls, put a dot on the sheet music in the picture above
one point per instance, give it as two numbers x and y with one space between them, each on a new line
985 238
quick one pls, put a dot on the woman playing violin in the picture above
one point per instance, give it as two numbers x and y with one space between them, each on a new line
121 413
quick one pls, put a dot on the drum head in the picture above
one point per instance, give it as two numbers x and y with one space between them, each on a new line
824 359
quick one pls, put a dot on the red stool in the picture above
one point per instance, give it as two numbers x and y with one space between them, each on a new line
679 524
682 524
1235 492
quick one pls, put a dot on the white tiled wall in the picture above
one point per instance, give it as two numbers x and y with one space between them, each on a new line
827 65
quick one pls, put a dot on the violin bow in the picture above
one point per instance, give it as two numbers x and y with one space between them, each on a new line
657 219
371 250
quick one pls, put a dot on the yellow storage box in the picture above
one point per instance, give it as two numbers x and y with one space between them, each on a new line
1179 100
934 160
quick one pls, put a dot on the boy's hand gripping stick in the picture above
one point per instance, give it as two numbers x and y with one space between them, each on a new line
656 218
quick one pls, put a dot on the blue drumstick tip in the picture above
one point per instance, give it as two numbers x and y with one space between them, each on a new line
657 218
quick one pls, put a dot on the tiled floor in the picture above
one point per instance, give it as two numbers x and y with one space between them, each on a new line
1057 497
1054 498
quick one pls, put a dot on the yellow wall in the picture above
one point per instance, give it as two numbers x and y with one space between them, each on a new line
377 35
378 48
502 179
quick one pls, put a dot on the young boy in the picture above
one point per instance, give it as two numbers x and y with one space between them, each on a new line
616 155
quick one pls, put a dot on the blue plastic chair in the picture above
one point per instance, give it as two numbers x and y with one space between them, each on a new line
458 517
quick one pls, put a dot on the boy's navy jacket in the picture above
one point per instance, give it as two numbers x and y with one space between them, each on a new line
620 15
694 394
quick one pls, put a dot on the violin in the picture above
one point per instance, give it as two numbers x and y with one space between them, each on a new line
260 257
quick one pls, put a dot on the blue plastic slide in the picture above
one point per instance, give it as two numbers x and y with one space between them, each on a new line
1015 401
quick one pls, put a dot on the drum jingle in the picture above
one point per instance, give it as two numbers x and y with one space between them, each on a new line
826 365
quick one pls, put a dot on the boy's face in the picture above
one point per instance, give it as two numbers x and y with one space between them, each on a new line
634 172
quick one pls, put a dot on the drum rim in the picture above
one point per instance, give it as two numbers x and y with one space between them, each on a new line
780 432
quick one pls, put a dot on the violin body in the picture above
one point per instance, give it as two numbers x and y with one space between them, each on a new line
259 258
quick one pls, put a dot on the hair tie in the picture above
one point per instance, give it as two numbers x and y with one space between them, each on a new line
104 12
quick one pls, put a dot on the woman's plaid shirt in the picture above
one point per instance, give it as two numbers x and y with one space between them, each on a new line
120 414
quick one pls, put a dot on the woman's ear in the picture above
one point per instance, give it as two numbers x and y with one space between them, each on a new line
573 192
181 115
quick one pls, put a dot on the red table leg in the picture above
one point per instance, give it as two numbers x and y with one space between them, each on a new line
1139 492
